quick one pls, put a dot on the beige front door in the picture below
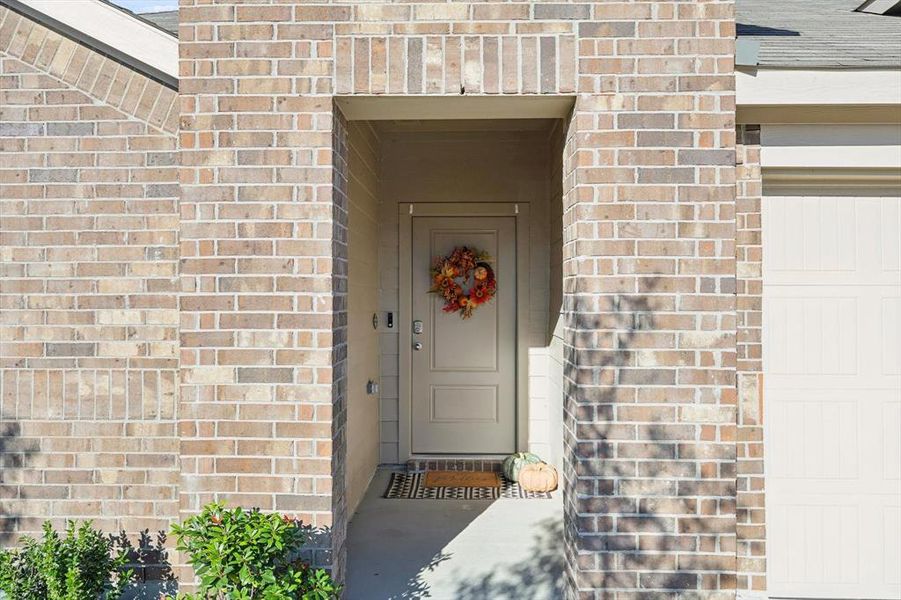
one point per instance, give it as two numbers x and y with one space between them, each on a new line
464 373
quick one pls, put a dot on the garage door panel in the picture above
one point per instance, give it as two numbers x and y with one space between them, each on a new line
832 239
891 517
818 545
812 235
843 548
832 330
843 382
891 441
812 436
891 236
806 335
890 314
832 393
794 279
832 441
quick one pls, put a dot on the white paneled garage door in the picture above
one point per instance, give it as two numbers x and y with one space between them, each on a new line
832 395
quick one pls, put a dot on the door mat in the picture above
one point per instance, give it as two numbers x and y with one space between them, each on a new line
410 486
472 479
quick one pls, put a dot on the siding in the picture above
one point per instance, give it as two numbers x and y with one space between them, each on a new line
362 302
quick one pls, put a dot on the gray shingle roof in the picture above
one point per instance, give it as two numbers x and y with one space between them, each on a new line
791 33
167 20
819 33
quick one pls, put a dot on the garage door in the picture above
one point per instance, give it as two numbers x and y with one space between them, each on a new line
832 394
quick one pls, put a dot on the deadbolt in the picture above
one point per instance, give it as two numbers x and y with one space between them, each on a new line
417 327
417 346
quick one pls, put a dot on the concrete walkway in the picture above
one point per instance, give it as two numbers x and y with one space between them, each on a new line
454 549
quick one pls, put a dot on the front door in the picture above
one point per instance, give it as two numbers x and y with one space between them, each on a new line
463 371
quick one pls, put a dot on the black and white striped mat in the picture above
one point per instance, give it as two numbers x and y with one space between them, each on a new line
409 486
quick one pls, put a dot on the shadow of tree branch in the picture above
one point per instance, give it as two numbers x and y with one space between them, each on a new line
15 456
149 559
417 587
643 512
537 579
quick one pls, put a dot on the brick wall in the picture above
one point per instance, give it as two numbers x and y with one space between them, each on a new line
88 312
263 236
435 49
649 268
649 263
751 526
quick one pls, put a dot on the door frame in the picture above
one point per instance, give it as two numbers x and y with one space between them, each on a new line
406 212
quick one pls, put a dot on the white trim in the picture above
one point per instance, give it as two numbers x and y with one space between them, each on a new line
832 182
766 87
877 7
381 108
831 146
116 29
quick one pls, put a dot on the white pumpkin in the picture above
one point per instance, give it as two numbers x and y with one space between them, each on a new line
538 477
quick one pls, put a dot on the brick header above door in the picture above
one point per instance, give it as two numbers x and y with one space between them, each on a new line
456 64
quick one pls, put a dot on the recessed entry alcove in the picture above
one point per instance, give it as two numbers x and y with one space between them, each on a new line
424 177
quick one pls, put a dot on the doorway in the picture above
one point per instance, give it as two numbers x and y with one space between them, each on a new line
480 387
460 391
477 388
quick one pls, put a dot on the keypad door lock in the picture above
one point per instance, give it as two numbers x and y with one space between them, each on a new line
417 327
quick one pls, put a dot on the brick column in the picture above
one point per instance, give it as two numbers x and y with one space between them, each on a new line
339 268
649 304
750 509
262 297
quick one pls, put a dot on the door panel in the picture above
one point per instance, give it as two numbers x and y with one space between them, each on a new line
832 396
464 403
464 377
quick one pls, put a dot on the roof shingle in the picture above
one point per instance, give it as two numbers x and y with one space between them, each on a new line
819 34
167 20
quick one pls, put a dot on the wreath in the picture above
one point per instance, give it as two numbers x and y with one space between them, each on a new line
464 266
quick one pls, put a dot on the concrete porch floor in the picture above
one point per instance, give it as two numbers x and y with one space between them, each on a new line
454 549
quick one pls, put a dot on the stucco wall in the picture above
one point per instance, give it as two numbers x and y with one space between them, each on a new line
499 164
555 341
362 302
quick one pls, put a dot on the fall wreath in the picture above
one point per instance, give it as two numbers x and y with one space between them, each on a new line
464 266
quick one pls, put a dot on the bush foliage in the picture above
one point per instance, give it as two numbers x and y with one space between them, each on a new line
85 564
242 554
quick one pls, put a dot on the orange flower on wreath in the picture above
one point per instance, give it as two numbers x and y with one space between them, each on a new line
463 267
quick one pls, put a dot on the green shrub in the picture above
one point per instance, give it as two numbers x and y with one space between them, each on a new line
83 565
243 555
20 573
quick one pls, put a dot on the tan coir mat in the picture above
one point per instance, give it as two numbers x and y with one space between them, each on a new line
435 479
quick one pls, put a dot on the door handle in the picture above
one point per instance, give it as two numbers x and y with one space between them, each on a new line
417 346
